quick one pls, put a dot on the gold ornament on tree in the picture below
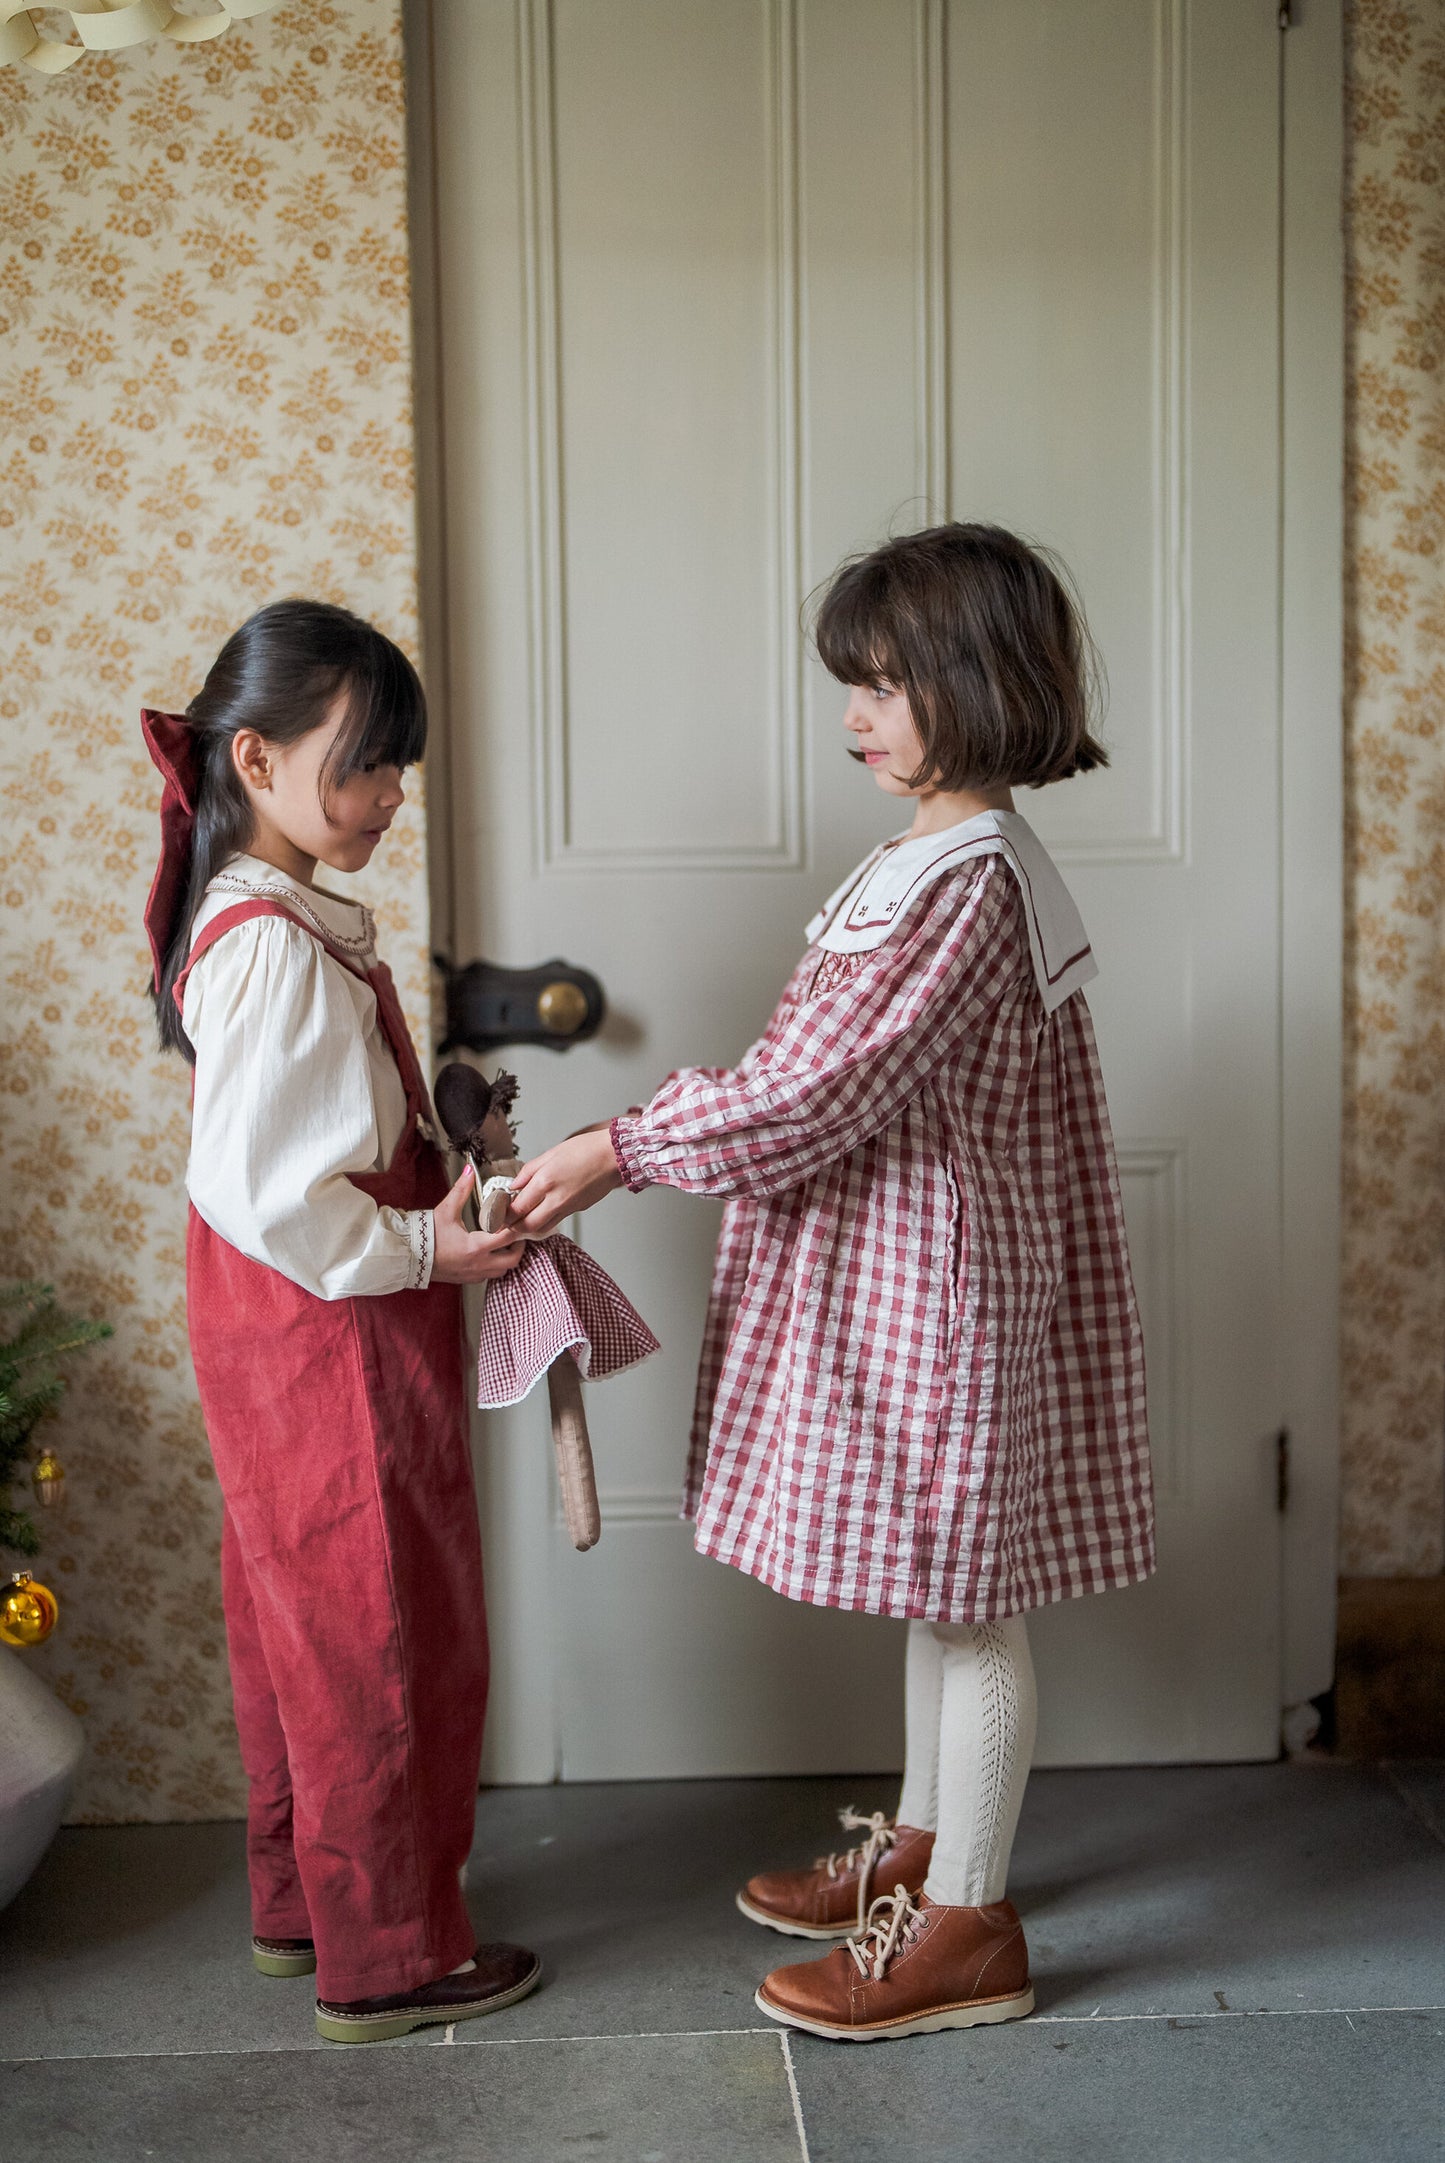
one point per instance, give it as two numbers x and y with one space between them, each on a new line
48 1480
28 1611
39 1336
107 26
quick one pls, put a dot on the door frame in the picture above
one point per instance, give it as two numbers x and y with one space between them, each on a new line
1311 778
1312 566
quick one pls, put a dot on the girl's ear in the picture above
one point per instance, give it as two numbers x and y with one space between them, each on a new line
251 757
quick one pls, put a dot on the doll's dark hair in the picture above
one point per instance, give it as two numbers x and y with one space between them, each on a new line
280 674
983 634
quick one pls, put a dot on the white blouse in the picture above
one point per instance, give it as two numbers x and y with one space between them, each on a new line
296 1087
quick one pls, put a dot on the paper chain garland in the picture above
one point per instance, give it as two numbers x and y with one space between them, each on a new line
106 26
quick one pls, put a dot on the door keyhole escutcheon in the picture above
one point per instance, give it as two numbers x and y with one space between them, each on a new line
488 1006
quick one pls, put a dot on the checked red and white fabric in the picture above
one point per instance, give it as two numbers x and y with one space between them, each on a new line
556 1300
922 1380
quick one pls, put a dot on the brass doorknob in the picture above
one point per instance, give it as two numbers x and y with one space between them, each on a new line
561 1008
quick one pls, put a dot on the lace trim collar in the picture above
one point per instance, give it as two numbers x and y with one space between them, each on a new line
336 920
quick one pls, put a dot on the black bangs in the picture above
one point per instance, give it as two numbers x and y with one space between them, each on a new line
386 717
853 630
282 674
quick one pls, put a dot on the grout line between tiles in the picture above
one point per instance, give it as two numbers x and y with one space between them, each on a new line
1262 2012
1197 2017
283 2050
786 2040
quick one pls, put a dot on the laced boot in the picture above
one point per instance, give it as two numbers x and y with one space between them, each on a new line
917 1967
830 1899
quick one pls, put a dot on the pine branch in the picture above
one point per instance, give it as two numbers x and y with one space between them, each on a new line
17 1533
44 1336
51 1336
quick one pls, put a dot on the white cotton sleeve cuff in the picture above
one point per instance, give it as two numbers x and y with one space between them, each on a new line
419 1227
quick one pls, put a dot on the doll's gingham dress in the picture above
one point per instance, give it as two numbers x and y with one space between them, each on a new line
922 1379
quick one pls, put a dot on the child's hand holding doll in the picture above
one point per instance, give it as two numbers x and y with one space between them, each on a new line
570 1176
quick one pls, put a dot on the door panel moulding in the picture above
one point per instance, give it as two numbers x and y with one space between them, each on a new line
557 849
1162 837
1152 1177
930 134
1311 793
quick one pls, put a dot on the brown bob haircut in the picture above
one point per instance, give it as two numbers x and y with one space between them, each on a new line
981 633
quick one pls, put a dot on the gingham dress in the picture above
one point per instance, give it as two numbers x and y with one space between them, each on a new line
922 1380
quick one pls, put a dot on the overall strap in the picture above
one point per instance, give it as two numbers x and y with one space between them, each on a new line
378 979
243 913
398 1036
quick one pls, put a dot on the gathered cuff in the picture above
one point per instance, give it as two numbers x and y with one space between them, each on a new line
635 1176
420 1225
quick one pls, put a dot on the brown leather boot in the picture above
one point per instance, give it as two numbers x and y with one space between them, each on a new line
503 1973
831 1899
916 1968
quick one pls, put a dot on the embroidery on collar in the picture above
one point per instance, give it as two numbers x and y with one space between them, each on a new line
230 882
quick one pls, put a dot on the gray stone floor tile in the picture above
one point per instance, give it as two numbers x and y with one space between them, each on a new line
1315 2088
1276 1887
1174 1890
138 1938
666 2099
627 1894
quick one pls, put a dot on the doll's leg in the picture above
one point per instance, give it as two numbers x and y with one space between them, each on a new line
988 1712
922 1716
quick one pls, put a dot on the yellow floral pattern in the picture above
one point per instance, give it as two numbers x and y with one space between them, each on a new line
1393 1502
204 404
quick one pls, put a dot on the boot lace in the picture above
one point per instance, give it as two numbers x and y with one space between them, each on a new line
864 1857
890 1922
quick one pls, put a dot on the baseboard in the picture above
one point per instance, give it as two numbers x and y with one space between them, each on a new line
1390 1676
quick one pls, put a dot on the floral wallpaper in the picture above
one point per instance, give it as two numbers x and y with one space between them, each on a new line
1393 1500
204 404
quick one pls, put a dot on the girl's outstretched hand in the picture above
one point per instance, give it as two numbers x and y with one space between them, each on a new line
574 1175
464 1257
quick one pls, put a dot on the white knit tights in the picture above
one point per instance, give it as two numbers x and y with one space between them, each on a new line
971 1711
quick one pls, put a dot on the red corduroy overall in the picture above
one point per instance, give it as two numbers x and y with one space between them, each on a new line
351 1572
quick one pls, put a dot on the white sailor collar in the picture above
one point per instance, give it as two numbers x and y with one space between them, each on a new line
863 912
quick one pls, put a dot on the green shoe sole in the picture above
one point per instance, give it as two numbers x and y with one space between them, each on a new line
267 1963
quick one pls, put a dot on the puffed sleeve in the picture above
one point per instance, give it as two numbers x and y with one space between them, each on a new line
284 1111
835 1070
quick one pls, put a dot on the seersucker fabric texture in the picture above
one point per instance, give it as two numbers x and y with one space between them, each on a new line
921 1390
557 1299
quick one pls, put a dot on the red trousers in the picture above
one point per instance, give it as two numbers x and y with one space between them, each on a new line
352 1578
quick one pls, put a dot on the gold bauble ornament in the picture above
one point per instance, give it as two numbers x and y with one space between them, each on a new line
48 1479
28 1611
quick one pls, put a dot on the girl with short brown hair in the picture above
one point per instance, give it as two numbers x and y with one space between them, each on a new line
922 1381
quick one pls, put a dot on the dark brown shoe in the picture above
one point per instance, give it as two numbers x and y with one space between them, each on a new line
283 1956
831 1899
918 1967
502 1975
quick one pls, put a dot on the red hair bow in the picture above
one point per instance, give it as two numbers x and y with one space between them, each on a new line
171 743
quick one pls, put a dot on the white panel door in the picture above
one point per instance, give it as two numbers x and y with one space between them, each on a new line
726 289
